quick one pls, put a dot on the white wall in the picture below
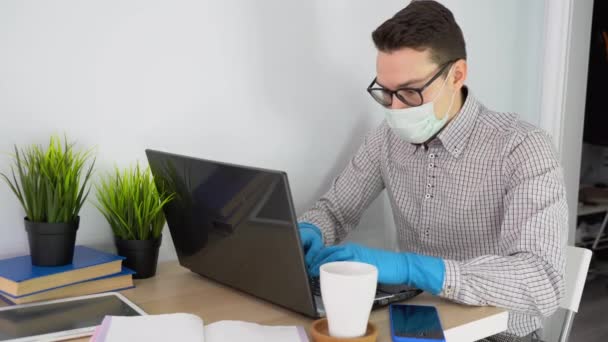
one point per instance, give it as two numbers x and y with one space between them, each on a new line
504 45
277 84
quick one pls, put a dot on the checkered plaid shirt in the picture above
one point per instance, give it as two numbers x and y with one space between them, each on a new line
486 195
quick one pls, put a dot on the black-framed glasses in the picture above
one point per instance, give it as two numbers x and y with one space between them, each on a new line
410 96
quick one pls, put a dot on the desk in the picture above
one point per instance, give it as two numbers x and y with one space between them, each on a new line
176 289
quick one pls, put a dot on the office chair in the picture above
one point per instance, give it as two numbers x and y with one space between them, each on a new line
577 265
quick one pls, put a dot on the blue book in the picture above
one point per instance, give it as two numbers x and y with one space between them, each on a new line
18 277
114 282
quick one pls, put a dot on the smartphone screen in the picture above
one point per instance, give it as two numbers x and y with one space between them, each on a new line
416 321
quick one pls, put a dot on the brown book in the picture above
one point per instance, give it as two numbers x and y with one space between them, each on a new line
120 281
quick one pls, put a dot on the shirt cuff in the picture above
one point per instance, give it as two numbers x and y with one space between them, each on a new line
451 280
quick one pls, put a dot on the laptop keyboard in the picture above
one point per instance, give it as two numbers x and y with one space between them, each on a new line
384 294
315 285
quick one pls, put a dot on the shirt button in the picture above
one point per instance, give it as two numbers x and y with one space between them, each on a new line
432 156
427 196
456 150
431 165
429 185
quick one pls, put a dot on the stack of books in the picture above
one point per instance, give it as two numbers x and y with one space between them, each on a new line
91 272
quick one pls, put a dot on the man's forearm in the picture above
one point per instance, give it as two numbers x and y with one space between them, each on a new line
524 283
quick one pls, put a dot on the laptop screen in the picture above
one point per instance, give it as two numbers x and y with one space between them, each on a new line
235 224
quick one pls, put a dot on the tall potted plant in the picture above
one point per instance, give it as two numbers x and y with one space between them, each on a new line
51 185
133 207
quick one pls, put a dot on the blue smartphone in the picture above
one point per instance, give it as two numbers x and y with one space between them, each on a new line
415 323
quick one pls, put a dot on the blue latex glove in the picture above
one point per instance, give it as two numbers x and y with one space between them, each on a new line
420 271
312 241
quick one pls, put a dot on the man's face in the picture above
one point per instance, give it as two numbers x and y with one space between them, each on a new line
413 69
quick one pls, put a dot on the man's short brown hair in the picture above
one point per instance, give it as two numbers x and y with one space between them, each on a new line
423 24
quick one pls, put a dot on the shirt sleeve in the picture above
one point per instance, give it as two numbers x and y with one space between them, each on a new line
528 276
340 209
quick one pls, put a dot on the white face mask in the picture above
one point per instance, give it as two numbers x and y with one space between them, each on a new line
418 124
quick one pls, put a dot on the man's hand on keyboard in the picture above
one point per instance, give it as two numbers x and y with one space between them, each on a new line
423 272
312 240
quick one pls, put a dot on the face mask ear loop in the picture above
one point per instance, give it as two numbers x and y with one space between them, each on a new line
447 113
444 83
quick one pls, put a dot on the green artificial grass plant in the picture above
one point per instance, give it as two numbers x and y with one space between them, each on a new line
51 184
131 204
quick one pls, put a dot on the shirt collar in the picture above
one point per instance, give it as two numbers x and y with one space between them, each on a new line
456 134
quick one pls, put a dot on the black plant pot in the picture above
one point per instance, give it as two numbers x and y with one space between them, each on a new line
141 255
51 244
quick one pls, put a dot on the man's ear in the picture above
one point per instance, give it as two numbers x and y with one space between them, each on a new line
460 73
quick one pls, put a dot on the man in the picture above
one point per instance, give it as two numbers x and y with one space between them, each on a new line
477 196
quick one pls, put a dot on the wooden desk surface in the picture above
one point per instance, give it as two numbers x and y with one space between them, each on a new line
176 289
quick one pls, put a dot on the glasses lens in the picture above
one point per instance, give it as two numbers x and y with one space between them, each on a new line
381 96
410 97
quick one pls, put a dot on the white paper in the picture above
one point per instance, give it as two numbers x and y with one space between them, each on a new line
156 328
236 331
189 328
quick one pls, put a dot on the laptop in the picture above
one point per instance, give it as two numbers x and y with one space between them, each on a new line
237 225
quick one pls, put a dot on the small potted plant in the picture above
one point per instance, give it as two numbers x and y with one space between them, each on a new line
51 185
133 207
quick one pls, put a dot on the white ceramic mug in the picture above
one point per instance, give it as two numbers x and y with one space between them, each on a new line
348 289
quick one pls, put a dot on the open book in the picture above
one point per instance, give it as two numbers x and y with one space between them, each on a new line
189 328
